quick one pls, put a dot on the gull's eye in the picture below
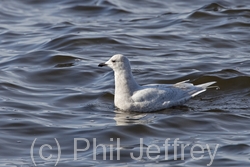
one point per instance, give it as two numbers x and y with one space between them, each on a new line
113 61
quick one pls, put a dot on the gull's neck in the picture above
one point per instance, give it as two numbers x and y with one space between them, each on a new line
125 84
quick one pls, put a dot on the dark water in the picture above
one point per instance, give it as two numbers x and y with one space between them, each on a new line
51 87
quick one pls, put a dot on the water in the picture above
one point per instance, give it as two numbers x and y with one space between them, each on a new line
51 86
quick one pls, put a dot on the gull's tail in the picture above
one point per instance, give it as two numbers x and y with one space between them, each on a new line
206 85
203 87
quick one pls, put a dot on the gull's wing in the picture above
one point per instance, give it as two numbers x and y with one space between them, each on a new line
156 97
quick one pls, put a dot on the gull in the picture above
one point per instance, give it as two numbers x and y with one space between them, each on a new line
130 96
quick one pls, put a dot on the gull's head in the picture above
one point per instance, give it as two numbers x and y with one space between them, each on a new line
117 62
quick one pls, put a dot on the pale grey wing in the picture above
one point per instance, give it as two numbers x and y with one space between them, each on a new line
176 96
193 90
160 96
189 88
179 95
168 92
157 86
167 85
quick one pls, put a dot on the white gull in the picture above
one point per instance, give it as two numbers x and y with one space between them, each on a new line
129 96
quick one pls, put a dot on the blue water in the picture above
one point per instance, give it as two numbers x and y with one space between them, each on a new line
51 87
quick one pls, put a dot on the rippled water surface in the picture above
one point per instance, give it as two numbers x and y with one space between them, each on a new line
51 87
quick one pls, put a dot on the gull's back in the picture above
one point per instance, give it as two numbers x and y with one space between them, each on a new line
156 97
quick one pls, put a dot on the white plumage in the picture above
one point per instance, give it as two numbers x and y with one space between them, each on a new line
130 96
